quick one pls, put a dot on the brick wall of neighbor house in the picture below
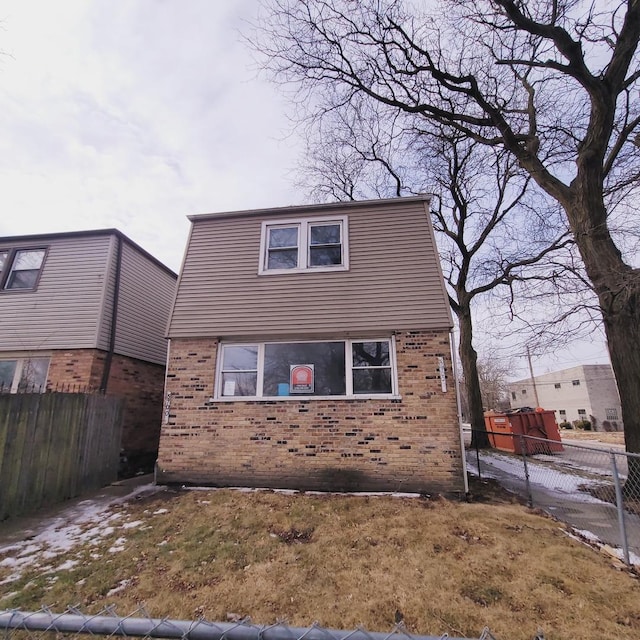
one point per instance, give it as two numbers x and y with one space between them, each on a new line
140 383
412 444
75 370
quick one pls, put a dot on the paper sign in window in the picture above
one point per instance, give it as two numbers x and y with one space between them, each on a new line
301 378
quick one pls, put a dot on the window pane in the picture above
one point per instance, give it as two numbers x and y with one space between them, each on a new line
25 269
239 383
7 371
34 375
282 259
283 237
22 279
372 381
3 259
28 260
240 358
325 234
327 358
319 256
371 354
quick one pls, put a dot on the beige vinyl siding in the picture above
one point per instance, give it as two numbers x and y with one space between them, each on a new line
64 310
393 283
145 298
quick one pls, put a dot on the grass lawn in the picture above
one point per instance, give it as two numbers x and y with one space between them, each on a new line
343 561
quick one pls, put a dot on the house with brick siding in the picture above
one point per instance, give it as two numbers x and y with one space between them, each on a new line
87 310
310 348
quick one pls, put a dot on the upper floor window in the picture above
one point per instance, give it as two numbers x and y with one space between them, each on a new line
557 385
314 244
20 268
575 383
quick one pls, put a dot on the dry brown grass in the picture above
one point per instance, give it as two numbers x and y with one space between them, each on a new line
345 561
596 437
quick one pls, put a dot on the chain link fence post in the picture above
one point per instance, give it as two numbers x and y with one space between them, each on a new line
523 450
620 509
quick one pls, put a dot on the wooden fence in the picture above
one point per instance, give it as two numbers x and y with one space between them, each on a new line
55 446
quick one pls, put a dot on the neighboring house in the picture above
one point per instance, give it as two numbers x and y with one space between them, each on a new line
87 311
587 392
310 349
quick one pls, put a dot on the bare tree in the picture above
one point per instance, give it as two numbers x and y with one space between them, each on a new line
493 373
551 82
492 226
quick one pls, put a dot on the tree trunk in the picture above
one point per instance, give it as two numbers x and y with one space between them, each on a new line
623 335
469 359
618 288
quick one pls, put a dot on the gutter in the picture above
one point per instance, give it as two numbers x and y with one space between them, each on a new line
114 318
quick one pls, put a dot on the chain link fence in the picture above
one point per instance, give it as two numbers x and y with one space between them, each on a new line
39 625
595 490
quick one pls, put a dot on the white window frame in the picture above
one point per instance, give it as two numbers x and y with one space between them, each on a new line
304 247
349 394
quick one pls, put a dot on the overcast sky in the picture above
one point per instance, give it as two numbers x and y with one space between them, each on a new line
135 114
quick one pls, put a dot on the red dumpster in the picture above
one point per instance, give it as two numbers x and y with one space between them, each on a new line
505 428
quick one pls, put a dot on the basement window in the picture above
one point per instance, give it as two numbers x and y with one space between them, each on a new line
312 369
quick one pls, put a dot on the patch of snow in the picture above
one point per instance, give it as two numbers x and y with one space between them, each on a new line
292 492
159 511
65 566
132 525
584 535
121 586
88 521
541 475
118 545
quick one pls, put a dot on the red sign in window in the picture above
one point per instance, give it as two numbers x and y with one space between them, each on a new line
301 378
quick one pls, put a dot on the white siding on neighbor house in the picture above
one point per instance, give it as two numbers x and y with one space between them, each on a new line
393 282
595 393
64 311
144 302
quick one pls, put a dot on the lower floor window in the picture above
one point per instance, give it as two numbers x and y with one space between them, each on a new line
328 368
23 375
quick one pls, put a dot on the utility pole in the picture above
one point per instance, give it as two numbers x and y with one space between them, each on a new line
533 380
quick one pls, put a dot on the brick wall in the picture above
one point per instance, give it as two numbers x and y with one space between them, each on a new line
140 383
407 444
75 369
